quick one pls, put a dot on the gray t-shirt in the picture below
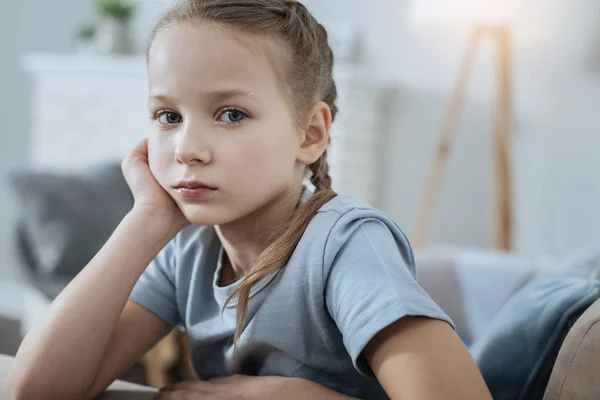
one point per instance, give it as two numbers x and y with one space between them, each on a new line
351 275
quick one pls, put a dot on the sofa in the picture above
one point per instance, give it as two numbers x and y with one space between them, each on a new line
480 288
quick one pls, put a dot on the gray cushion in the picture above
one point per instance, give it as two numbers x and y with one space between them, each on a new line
66 218
584 262
519 350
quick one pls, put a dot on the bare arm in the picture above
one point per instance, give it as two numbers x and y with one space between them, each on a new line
61 356
137 331
91 333
422 358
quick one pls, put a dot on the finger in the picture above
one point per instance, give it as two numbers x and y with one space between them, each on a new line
182 395
225 380
142 146
221 380
141 150
190 385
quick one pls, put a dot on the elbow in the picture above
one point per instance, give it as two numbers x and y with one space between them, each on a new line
25 393
20 394
28 388
18 389
22 388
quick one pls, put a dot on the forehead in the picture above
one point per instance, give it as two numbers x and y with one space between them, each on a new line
204 56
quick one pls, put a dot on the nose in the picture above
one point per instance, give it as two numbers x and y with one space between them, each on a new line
192 148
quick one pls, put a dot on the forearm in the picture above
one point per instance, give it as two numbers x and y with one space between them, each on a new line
62 353
301 389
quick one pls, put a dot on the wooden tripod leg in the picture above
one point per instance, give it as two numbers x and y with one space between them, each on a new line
451 125
502 123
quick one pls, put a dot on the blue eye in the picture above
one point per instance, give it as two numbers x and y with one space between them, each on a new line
232 116
169 118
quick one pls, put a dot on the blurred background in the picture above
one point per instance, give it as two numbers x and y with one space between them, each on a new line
526 112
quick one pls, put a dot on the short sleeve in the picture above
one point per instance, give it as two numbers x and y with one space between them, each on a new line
371 284
155 289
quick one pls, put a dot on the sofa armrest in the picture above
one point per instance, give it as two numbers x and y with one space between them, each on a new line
470 284
575 373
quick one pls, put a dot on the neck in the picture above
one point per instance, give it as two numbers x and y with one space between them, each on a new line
245 239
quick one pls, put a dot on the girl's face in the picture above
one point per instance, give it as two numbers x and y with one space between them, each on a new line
219 117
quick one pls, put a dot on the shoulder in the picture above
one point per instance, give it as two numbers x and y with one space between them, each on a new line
341 218
343 209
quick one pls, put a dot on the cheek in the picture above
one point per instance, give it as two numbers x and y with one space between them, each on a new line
159 157
269 157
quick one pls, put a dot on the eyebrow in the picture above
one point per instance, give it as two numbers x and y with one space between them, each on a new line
215 96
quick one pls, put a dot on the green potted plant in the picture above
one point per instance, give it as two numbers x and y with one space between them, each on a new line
113 34
84 38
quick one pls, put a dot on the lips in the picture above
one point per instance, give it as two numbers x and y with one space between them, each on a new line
194 189
193 185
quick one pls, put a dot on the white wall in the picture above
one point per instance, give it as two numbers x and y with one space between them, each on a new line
556 135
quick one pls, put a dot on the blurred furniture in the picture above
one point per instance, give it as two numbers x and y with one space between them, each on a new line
87 109
119 390
486 20
558 318
472 284
575 374
21 305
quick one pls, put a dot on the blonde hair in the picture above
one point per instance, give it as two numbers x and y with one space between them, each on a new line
308 76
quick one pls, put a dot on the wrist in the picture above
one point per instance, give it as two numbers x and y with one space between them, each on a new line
298 388
153 222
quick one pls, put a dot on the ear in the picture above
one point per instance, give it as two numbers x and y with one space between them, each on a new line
315 137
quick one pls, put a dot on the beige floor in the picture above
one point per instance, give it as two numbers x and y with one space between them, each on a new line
117 391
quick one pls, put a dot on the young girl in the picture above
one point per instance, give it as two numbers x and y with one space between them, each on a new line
285 291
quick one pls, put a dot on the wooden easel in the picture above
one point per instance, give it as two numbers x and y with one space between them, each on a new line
502 120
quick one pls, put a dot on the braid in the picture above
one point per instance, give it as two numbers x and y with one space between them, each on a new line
320 173
330 99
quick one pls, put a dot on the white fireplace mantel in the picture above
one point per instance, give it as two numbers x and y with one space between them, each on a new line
47 64
86 108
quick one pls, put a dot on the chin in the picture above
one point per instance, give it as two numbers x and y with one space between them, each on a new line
208 215
206 218
220 211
